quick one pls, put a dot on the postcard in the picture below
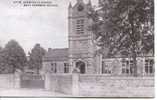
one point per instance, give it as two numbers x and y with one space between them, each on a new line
77 48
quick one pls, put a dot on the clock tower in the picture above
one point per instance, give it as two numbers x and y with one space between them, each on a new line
81 47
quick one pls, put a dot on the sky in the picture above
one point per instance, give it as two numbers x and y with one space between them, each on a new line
30 25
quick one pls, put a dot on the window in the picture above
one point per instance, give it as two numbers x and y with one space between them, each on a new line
66 68
105 68
80 26
54 67
149 66
127 67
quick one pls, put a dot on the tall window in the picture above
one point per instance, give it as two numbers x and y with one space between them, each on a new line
80 26
149 66
66 68
127 67
105 68
54 67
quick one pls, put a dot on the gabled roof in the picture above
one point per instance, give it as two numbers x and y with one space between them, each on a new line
56 55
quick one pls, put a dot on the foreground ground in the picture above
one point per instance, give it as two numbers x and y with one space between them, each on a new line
28 93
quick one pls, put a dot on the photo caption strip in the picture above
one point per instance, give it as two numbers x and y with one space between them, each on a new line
35 3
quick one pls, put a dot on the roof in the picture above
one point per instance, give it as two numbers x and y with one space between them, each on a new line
57 55
119 55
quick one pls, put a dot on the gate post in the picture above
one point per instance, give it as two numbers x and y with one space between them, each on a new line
17 80
48 81
75 84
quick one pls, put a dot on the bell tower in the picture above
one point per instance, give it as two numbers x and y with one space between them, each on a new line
81 47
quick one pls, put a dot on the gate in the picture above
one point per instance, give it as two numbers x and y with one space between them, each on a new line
32 81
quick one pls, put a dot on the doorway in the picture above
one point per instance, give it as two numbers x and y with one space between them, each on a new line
81 66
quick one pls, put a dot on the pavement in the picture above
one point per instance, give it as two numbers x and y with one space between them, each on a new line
30 93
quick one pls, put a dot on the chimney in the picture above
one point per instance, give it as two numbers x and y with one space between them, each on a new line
49 49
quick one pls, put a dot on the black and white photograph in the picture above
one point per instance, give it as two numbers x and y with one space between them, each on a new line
77 48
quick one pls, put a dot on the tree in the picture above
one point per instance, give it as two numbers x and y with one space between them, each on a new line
0 58
35 57
12 57
0 48
125 27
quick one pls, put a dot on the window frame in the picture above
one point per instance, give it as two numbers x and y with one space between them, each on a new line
54 67
127 67
149 66
66 68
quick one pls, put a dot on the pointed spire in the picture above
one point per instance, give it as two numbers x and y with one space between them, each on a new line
70 6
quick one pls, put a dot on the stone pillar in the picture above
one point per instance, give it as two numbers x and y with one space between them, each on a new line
143 67
100 64
140 66
17 80
48 81
75 84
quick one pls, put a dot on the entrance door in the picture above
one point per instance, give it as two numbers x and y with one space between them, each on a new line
81 66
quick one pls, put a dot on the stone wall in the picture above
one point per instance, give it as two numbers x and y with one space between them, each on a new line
90 85
7 80
105 86
100 85
61 83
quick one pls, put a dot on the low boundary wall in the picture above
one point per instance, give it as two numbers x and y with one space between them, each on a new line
105 86
9 81
90 85
59 83
101 86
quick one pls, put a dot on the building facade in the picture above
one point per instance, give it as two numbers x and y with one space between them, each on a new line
82 56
